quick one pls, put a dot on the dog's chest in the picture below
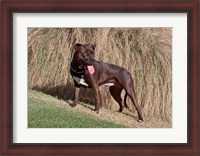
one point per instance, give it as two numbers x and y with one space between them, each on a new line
81 81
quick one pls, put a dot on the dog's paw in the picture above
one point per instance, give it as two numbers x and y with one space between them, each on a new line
139 120
120 110
95 111
72 105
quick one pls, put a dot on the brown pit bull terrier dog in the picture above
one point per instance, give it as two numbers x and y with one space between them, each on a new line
88 72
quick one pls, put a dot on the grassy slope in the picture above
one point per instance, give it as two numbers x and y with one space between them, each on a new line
45 111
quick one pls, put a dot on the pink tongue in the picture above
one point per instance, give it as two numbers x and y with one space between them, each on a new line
91 69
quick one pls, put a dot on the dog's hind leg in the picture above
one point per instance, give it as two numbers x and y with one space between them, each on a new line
131 93
128 85
115 91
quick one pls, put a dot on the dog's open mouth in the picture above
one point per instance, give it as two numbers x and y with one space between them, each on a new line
91 69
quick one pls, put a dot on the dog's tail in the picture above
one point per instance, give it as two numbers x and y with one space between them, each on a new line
125 104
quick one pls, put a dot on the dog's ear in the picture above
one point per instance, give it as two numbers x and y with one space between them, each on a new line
91 47
76 46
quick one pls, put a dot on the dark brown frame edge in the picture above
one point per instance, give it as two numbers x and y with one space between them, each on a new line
191 7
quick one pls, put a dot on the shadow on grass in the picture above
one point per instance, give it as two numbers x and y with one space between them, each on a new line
126 112
66 92
130 114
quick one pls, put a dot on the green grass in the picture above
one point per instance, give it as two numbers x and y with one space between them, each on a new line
45 111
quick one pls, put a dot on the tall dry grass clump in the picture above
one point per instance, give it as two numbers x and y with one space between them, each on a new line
145 52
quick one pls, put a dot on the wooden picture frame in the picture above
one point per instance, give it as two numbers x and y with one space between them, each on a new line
8 7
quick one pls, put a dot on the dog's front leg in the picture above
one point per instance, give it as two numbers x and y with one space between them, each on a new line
76 96
97 98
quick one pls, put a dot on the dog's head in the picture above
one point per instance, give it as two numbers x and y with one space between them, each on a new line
84 54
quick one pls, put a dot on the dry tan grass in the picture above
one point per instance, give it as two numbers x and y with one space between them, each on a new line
145 52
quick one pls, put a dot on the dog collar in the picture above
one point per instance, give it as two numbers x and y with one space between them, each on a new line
77 72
